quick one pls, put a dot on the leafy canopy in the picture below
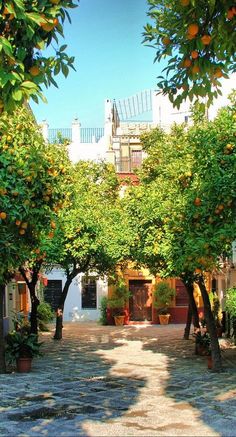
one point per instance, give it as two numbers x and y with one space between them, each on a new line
26 29
197 39
184 209
33 181
92 231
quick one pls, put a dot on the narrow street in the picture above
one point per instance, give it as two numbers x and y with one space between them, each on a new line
120 381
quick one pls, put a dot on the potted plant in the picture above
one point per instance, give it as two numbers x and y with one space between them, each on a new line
163 295
118 302
21 347
203 343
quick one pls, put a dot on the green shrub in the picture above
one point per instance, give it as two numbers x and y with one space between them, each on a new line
103 310
163 295
230 304
45 315
119 298
230 307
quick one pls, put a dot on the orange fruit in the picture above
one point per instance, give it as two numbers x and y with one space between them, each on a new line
21 231
230 14
206 39
18 222
6 11
51 234
197 201
187 63
3 215
55 21
24 225
221 207
184 2
190 36
37 251
53 225
218 73
166 40
194 54
54 2
47 26
195 69
193 29
34 71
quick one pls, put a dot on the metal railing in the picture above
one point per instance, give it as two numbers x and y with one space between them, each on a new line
58 135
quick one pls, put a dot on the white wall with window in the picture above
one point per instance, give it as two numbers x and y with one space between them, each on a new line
84 296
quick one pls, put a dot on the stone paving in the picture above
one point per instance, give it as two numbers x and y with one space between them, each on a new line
120 381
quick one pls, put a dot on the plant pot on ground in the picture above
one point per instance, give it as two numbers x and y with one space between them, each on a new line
203 343
21 348
163 296
118 301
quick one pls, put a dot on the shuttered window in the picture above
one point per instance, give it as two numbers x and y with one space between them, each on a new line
89 292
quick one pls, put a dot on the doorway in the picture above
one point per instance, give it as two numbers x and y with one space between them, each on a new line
140 302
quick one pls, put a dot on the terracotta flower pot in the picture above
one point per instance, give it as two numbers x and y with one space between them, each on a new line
119 320
23 365
164 319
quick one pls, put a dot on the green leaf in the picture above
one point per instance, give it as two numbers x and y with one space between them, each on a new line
29 85
17 95
6 46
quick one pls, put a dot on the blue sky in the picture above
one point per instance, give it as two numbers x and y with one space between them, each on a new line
105 37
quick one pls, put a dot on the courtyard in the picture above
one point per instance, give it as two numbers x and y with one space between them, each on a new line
120 381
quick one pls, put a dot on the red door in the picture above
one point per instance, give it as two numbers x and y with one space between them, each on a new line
140 302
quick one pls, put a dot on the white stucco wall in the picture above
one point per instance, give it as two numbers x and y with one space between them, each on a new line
73 305
87 151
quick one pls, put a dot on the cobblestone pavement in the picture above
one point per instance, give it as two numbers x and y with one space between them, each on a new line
120 381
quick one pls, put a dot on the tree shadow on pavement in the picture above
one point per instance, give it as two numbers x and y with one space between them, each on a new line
190 383
67 386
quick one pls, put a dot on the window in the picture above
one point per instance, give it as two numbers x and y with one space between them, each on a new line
136 159
89 292
52 293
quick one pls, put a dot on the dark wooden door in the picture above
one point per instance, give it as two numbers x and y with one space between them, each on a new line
140 302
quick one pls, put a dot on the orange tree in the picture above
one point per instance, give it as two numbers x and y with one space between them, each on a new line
26 29
93 233
198 38
186 217
31 186
36 258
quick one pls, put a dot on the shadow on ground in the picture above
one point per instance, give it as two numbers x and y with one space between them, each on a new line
68 385
139 377
213 395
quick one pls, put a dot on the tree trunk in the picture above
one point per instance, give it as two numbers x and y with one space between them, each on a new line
60 309
34 306
33 298
215 348
192 309
188 323
2 345
234 329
